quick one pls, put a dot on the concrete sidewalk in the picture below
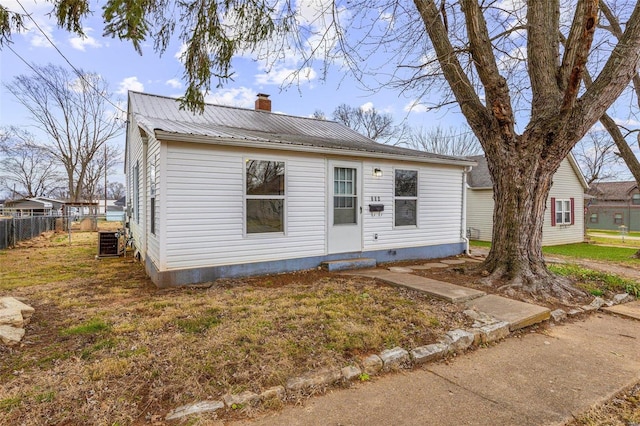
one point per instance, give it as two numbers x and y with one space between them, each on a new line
537 379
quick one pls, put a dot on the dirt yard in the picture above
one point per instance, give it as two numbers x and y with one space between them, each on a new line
105 346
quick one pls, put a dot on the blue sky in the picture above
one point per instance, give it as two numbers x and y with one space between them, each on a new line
125 69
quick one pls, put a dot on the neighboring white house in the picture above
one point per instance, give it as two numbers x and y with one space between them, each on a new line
563 221
236 192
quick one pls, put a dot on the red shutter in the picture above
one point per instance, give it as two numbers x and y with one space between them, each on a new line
573 211
553 211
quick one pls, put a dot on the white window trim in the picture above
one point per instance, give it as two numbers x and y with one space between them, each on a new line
406 198
246 197
563 202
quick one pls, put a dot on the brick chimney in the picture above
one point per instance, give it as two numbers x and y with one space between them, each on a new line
263 103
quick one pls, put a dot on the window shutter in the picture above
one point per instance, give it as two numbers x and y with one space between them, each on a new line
573 211
553 211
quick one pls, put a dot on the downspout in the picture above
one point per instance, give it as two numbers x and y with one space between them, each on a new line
463 220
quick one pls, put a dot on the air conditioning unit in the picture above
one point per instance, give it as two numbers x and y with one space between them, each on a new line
109 244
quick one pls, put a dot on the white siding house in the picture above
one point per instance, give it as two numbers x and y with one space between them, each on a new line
564 217
236 192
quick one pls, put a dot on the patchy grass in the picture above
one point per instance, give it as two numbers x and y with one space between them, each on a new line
105 346
478 243
93 326
596 282
594 252
610 232
584 251
621 410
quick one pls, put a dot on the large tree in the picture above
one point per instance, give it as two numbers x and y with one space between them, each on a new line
619 133
74 112
597 157
372 123
26 167
514 69
459 142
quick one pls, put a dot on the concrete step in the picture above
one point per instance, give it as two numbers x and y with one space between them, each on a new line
346 264
441 290
517 314
629 310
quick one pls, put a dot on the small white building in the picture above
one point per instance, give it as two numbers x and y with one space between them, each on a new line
236 192
563 221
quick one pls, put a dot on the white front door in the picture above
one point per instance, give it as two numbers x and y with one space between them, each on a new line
345 207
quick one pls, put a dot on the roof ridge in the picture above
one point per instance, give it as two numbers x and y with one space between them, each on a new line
280 114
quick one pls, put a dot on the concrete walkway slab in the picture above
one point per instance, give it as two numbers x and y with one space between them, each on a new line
629 310
517 314
449 292
538 379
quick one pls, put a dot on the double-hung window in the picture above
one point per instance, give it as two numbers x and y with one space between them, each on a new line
563 212
406 198
264 196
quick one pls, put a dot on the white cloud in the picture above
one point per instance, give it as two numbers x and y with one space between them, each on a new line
366 107
174 83
180 52
242 97
81 42
286 76
129 83
416 106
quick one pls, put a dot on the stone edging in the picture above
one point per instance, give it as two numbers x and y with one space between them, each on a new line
484 330
14 316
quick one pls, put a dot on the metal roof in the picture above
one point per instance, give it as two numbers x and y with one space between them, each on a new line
159 115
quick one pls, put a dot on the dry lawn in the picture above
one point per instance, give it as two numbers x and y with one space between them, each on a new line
106 347
622 410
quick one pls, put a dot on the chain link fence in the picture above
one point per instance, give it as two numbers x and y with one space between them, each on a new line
16 229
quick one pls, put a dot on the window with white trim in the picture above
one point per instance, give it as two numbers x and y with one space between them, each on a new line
563 212
406 198
635 199
264 196
345 196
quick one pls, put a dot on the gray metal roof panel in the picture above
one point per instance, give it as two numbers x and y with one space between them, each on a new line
158 113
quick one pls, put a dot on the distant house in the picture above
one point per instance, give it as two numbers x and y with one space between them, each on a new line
614 204
37 206
564 220
235 192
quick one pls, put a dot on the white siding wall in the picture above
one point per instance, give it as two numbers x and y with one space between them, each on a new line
439 207
480 213
134 156
200 207
205 209
566 185
153 240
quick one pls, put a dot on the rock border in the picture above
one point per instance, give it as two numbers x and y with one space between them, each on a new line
485 330
14 316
